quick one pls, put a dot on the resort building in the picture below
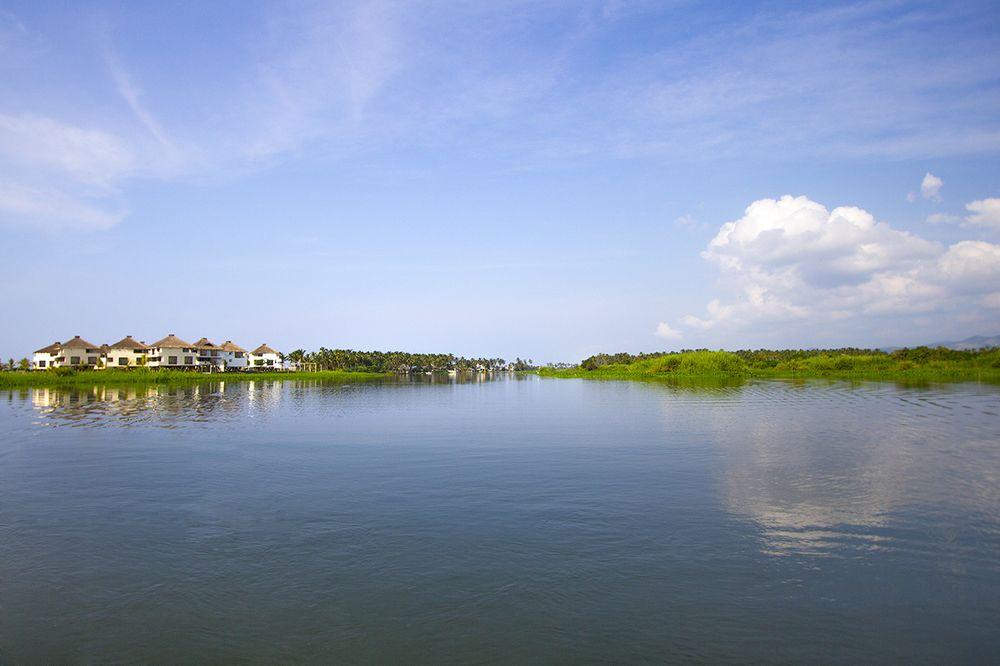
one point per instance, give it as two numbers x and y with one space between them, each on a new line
210 355
172 352
236 357
265 357
46 357
79 352
126 353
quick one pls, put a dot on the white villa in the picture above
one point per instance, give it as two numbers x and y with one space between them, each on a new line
237 357
169 352
126 353
265 357
76 352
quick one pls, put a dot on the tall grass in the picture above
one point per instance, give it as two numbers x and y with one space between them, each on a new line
920 364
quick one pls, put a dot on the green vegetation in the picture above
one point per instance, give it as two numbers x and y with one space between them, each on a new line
920 364
325 364
68 377
400 362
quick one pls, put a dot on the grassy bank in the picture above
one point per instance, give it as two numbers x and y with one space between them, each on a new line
919 364
70 378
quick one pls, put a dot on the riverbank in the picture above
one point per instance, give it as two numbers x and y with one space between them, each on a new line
27 379
906 365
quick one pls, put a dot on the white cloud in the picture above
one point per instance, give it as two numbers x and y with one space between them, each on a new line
930 187
792 260
55 175
52 210
685 220
667 332
89 156
984 213
943 218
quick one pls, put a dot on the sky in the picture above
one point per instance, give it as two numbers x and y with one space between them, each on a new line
542 179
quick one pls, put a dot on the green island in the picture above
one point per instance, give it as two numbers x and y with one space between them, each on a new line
937 364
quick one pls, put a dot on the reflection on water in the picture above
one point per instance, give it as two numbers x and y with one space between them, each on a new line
164 406
514 519
827 468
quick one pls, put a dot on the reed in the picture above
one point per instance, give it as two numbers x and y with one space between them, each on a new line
920 364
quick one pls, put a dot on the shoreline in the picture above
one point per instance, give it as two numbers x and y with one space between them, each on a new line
41 378
982 366
984 377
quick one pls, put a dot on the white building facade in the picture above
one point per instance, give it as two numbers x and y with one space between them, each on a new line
172 352
169 352
47 357
78 352
126 353
265 358
236 357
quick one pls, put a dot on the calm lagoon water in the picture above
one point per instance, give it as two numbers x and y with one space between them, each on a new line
517 520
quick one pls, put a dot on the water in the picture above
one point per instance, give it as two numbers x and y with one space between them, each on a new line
520 520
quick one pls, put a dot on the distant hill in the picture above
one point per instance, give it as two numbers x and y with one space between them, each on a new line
975 342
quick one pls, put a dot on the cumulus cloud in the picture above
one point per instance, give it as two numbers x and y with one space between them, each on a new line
667 332
984 213
791 259
930 187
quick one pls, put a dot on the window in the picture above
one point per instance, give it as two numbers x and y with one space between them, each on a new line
270 362
74 360
91 360
171 360
122 360
41 364
188 360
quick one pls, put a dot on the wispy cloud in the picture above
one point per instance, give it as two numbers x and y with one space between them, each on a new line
132 94
52 210
89 156
57 175
525 84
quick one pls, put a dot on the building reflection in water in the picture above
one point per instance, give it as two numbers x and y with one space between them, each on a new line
173 406
167 406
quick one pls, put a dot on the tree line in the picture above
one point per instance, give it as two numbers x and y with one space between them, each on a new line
400 362
771 358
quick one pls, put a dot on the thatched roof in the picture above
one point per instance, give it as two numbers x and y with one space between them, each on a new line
171 342
128 342
205 343
263 349
79 343
51 349
231 346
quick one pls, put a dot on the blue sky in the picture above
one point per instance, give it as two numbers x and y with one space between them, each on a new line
539 179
